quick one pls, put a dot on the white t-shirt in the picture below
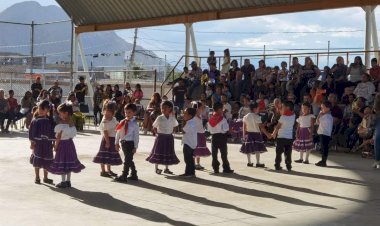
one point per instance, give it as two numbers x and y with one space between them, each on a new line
67 131
165 125
110 126
305 121
190 136
325 124
252 121
287 125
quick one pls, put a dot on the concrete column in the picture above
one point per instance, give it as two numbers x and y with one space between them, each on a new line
187 47
375 39
194 45
368 31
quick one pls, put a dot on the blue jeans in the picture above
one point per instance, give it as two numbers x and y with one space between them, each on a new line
377 139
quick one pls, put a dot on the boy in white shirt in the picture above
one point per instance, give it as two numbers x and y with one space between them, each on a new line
218 127
284 132
189 141
325 122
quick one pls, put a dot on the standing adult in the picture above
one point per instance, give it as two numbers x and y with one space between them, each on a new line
4 106
36 88
233 70
294 70
248 71
81 90
179 93
195 74
356 70
98 104
226 62
308 72
365 88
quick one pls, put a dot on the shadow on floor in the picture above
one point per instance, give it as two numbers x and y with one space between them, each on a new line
193 198
250 192
107 202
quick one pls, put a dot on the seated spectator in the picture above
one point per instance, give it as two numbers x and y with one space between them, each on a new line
214 73
77 117
365 88
282 77
55 101
244 110
58 90
347 111
236 126
27 104
274 114
226 62
292 98
271 75
127 89
209 92
119 100
356 70
227 109
226 91
326 71
205 79
374 72
4 107
262 102
109 92
329 85
217 96
272 92
235 110
179 93
293 75
257 88
261 71
347 91
367 126
152 111
138 93
358 110
44 95
116 91
36 88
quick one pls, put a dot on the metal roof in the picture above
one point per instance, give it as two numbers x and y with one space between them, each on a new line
100 15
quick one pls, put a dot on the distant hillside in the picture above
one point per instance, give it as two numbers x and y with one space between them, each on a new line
53 40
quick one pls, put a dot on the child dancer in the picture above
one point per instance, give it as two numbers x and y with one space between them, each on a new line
218 127
163 149
128 135
108 155
41 136
284 133
304 134
325 122
254 143
201 150
189 141
66 160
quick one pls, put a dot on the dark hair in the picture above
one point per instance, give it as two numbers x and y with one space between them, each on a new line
289 105
306 104
185 68
138 86
327 104
11 91
110 106
253 106
191 111
168 104
217 106
131 107
196 104
367 75
295 58
374 60
43 104
65 107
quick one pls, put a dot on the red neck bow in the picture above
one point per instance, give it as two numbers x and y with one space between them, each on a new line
288 113
215 119
123 123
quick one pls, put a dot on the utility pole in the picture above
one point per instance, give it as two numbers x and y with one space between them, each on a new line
132 59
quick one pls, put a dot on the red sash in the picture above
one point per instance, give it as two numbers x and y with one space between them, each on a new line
215 119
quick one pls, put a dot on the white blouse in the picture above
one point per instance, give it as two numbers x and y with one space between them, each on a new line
67 131
305 121
252 121
109 126
165 125
199 125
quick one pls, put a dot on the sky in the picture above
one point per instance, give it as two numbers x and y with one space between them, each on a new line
344 28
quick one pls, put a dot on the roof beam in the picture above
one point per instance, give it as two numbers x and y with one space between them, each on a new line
229 14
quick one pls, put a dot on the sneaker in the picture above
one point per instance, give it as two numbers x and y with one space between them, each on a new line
260 165
121 179
167 171
48 181
321 164
299 161
250 164
63 184
136 178
306 162
105 174
228 171
375 165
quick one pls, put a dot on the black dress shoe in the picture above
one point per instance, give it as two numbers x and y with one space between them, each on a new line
260 165
228 171
48 181
250 164
63 184
278 167
299 161
121 179
68 183
136 178
37 181
321 164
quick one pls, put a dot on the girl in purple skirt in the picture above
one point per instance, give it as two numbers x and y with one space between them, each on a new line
107 155
66 160
201 150
253 139
163 149
304 135
41 136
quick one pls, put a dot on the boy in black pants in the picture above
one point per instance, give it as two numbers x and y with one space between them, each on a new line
325 127
218 127
128 135
284 132
189 141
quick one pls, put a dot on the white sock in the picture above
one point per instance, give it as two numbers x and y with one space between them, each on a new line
249 158
301 155
307 156
156 166
167 167
257 157
63 177
68 176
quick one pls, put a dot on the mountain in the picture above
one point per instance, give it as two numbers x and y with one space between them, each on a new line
54 40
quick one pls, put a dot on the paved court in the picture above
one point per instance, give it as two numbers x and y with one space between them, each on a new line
346 193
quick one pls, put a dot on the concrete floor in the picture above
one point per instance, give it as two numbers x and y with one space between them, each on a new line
345 193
